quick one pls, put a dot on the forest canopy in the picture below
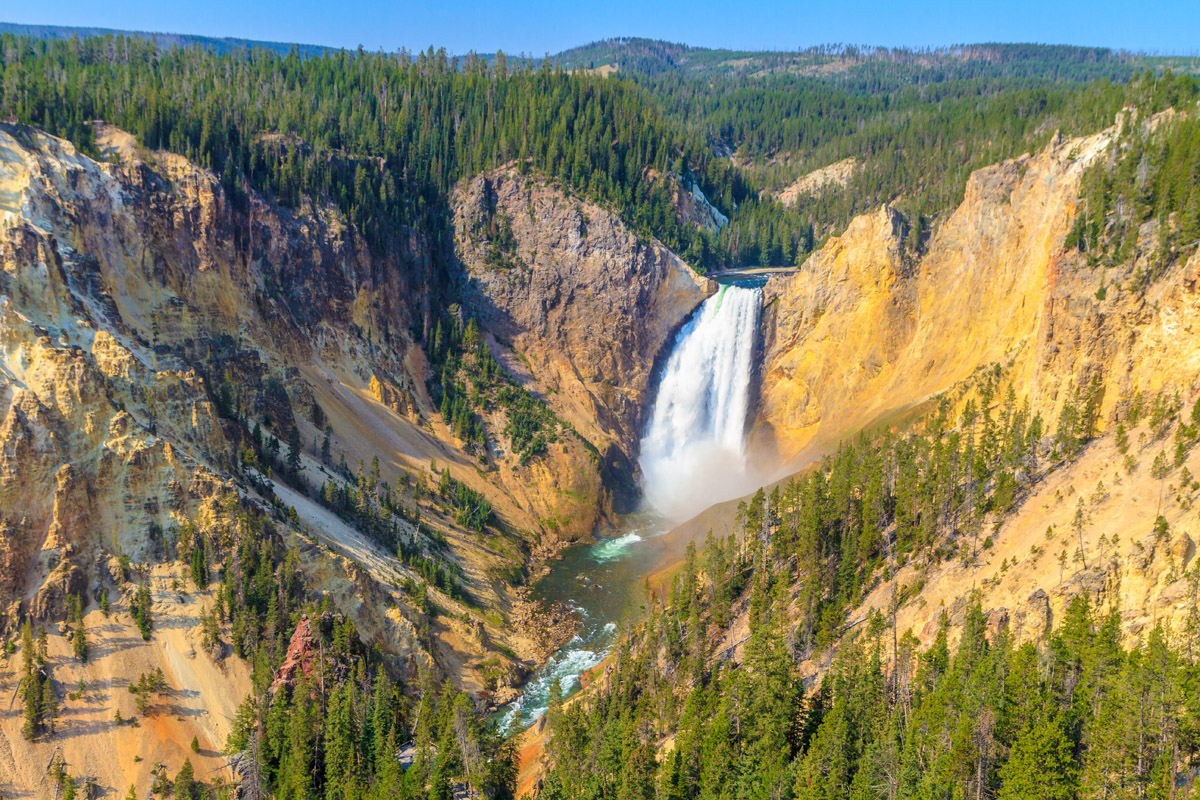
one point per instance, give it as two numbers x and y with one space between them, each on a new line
385 136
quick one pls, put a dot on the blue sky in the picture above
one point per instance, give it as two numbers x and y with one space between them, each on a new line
540 26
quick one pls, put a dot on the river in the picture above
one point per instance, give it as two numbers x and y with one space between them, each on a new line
602 581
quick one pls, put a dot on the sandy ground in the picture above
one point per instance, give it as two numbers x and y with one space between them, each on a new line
201 701
363 425
331 530
1024 558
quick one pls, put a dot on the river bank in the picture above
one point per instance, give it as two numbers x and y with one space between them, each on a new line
600 582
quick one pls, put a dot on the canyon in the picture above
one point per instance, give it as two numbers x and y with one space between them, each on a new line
148 322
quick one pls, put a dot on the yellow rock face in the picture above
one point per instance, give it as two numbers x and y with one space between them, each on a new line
864 331
835 330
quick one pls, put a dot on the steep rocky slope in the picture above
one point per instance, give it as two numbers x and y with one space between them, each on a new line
836 174
866 329
868 333
588 306
157 332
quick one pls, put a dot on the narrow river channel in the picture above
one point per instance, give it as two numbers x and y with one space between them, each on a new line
603 582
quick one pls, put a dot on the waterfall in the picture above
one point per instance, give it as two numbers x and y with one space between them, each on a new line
693 453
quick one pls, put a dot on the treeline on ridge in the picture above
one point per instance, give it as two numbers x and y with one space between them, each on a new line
385 136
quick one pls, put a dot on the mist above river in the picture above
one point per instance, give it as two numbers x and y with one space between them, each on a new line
693 454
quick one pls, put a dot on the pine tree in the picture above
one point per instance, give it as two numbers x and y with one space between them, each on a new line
79 641
295 769
199 565
27 651
293 453
186 787
340 738
383 721
49 705
142 613
32 690
1040 766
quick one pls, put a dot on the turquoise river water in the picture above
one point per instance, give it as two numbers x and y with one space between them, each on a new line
602 581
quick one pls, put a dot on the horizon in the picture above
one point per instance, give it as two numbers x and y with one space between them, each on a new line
100 30
539 27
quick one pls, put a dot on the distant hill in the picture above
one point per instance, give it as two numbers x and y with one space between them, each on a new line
988 60
852 66
221 44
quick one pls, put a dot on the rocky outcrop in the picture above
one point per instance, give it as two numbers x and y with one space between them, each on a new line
836 174
303 656
864 331
694 207
585 303
835 330
691 205
547 627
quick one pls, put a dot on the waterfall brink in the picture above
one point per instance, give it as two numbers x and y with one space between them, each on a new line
693 453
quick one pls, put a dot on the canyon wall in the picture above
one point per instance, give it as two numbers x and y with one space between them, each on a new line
867 330
585 304
152 323
873 329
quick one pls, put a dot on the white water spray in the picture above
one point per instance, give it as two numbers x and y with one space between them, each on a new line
693 454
